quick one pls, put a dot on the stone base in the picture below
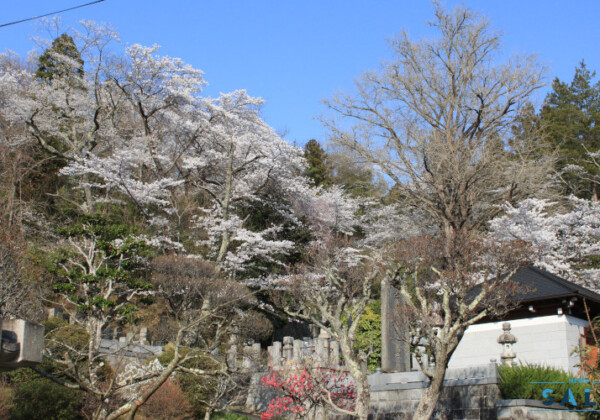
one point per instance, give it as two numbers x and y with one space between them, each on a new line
533 410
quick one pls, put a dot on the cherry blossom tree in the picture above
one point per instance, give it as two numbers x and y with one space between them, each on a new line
241 158
134 132
562 242
161 135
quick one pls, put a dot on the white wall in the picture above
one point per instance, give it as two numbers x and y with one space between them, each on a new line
546 340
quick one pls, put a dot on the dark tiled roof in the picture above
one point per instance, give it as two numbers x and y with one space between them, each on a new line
538 284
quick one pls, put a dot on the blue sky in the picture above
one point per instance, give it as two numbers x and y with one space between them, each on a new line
296 53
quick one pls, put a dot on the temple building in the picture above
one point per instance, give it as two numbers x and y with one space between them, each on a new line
549 324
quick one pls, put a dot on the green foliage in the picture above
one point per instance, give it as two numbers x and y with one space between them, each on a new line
262 214
317 169
123 269
515 383
357 179
368 334
62 59
45 400
59 333
571 116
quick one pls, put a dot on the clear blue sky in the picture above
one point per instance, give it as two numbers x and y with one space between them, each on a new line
296 53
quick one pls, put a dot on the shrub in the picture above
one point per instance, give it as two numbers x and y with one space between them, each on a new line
368 334
42 399
62 335
167 403
5 401
516 383
302 390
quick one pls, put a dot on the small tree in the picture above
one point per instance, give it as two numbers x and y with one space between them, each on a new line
332 291
304 390
99 279
207 308
316 158
441 299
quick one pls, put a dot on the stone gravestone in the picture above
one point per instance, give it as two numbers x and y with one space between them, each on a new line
395 348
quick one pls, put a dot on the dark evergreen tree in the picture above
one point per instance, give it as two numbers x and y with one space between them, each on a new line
62 59
317 168
571 115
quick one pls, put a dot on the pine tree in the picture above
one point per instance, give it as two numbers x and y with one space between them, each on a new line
571 114
61 68
317 168
60 60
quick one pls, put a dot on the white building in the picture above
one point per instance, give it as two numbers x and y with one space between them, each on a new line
549 324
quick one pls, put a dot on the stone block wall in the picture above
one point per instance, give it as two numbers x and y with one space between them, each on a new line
469 393
532 410
456 402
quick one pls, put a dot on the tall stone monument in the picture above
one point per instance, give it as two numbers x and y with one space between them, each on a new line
395 347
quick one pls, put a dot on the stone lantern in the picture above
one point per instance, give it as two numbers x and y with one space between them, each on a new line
507 340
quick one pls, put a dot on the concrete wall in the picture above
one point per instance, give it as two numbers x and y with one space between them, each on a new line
547 340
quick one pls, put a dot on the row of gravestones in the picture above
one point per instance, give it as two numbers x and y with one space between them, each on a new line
313 352
108 333
129 338
324 352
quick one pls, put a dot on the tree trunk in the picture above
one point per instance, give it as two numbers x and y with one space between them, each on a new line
100 413
358 373
431 394
225 238
207 413
363 397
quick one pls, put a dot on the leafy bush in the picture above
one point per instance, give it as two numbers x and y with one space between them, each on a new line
167 403
42 399
516 383
62 334
368 334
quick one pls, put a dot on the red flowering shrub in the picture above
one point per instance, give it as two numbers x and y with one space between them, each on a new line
304 389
